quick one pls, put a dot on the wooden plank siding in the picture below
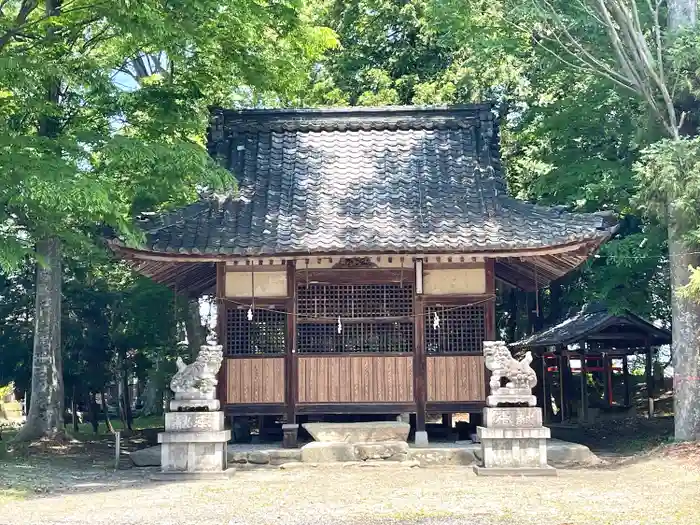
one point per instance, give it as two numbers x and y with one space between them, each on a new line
456 378
355 379
255 380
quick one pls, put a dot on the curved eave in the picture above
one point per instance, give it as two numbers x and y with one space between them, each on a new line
573 250
524 268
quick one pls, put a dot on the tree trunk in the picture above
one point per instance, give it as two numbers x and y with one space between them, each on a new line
45 415
73 409
120 399
92 407
108 423
555 296
153 402
196 333
686 336
685 313
682 13
126 397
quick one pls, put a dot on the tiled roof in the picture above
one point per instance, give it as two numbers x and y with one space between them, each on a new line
592 319
408 180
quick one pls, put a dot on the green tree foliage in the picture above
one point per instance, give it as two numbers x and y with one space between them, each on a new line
102 115
568 137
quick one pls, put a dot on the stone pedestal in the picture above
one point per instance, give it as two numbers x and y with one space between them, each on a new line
193 445
514 442
290 432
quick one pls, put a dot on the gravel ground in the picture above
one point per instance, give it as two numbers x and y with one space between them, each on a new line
656 490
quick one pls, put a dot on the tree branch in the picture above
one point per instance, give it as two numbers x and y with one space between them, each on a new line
25 10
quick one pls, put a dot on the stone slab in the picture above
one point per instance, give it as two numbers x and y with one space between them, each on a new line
280 456
509 417
428 457
543 471
146 457
218 436
387 450
559 454
194 421
513 433
326 452
565 453
184 405
259 457
192 476
363 432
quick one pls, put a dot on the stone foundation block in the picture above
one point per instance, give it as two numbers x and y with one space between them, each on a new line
258 457
282 456
510 417
514 453
192 457
420 439
388 450
326 452
237 456
194 421
364 432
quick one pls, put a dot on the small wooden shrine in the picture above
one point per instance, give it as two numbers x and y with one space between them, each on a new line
355 268
595 338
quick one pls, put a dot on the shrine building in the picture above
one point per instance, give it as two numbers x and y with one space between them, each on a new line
356 265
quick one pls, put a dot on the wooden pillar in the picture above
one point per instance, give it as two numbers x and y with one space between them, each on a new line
545 410
607 379
649 369
626 378
290 354
221 388
490 315
489 324
583 416
447 421
562 380
419 358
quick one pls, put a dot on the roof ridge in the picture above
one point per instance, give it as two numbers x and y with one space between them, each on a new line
363 111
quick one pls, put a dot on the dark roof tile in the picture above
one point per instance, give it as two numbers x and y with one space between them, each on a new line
398 179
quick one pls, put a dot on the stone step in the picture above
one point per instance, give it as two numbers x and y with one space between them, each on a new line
362 432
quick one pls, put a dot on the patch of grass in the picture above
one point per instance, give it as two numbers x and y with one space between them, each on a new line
8 495
139 423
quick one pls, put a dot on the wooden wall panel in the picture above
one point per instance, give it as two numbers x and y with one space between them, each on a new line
355 379
255 380
456 378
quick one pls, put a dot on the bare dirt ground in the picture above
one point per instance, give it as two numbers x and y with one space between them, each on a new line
79 486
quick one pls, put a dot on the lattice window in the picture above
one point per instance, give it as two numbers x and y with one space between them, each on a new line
460 329
373 318
355 300
355 337
265 334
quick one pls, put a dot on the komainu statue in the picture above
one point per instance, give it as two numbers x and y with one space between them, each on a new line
521 377
198 379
